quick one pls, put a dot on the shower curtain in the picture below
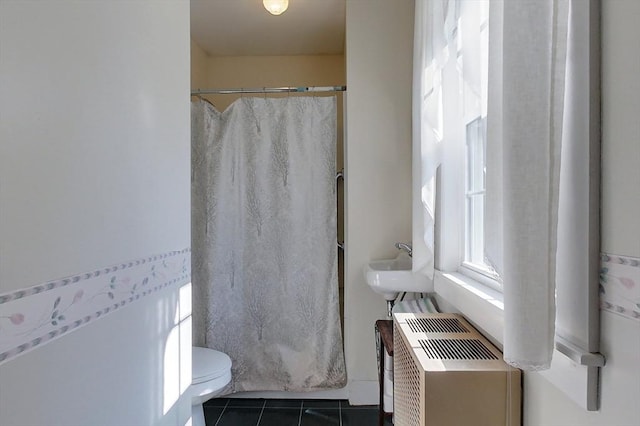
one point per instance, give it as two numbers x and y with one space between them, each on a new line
264 270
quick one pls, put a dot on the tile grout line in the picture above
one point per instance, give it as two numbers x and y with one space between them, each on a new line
300 415
340 411
261 411
221 413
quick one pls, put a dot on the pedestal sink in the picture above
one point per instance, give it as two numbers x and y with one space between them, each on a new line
392 276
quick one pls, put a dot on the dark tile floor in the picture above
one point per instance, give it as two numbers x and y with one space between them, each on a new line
289 412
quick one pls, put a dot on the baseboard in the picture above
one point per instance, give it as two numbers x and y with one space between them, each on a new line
358 392
327 394
363 392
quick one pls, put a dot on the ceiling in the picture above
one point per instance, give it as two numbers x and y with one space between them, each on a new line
245 28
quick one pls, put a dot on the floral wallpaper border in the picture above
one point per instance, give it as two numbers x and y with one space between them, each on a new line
36 315
33 316
620 285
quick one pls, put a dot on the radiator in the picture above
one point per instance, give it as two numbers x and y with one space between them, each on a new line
447 374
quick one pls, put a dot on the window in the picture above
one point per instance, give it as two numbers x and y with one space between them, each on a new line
474 30
516 180
465 134
475 167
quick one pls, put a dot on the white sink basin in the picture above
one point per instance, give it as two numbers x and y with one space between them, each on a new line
392 276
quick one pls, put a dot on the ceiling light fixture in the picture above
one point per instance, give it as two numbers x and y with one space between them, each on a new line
276 7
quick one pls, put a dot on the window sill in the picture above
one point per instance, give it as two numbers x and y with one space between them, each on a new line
484 308
480 304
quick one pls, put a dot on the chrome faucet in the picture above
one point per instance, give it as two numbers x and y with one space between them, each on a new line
406 247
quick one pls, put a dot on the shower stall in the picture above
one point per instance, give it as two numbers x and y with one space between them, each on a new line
264 239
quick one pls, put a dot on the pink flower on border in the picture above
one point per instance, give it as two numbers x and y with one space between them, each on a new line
16 319
627 282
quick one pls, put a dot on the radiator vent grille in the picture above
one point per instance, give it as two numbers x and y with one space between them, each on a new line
436 325
406 384
456 349
474 386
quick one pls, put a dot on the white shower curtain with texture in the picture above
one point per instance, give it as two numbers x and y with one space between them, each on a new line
265 287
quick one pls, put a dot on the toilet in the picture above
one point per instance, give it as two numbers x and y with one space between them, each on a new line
211 373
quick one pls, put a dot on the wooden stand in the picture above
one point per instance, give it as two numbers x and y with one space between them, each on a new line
385 331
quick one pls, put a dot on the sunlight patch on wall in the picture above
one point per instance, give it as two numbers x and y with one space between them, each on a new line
177 353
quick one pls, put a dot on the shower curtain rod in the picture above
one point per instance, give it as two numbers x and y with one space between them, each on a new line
290 89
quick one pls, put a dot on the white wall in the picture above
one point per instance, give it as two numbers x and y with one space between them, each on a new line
620 337
620 128
199 68
94 170
379 53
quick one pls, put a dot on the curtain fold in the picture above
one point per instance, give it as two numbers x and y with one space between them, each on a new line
265 284
525 126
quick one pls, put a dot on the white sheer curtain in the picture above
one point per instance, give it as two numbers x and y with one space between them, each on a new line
448 89
525 133
434 21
